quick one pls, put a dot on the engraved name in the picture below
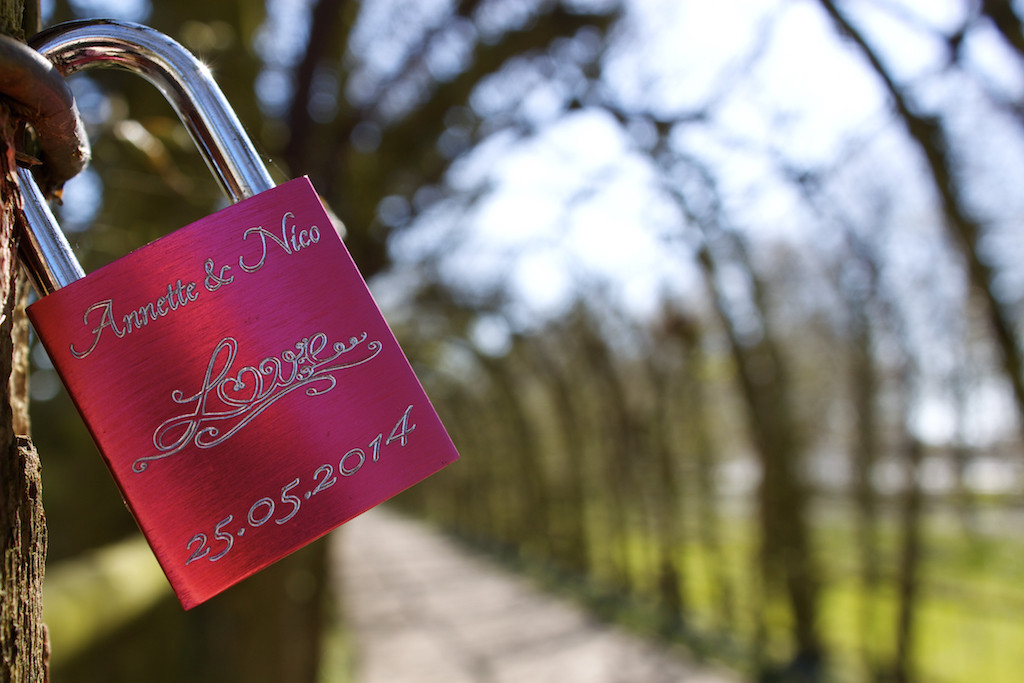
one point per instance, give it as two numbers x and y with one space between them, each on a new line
101 316
229 398
291 242
178 295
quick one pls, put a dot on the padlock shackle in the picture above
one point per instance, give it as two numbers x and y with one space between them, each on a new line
44 250
186 84
184 80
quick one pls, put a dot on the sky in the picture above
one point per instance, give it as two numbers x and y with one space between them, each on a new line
580 202
577 208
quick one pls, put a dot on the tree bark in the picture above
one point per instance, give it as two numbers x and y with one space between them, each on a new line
783 499
908 587
24 648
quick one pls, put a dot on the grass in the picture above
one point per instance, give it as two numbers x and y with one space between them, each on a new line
969 623
969 611
90 597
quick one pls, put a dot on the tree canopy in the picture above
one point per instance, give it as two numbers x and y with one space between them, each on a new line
646 251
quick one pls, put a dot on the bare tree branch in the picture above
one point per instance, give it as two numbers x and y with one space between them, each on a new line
928 134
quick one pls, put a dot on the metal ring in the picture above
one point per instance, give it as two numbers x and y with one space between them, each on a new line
184 81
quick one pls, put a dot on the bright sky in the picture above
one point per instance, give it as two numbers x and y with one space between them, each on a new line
577 207
578 201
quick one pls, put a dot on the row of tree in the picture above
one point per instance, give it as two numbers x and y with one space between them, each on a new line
628 464
739 458
848 368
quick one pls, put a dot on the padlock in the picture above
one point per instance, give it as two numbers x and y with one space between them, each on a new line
237 376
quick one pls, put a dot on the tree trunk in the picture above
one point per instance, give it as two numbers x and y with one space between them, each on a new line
23 642
705 491
910 561
783 500
573 497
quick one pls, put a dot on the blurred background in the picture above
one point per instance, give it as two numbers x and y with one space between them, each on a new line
721 303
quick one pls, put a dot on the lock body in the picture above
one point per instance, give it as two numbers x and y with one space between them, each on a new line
242 386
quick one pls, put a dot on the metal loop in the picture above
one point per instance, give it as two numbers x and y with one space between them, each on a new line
43 248
185 82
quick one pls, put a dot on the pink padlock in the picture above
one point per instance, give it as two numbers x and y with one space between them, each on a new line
237 376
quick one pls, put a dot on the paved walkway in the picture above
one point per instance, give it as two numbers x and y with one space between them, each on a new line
423 610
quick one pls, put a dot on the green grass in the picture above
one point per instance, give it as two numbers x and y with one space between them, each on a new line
969 614
969 611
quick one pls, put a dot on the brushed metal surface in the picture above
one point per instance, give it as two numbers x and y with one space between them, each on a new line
242 386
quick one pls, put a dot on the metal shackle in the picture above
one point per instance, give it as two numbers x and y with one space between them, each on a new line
187 85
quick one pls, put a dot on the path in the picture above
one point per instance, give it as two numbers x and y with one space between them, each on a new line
423 610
